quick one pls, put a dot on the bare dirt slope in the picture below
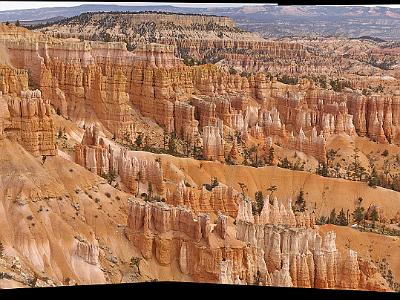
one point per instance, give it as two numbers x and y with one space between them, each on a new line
46 210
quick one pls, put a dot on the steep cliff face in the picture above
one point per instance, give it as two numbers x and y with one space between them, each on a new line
173 234
94 78
213 145
279 256
52 223
102 159
103 82
191 34
30 122
220 199
376 116
12 81
298 256
182 228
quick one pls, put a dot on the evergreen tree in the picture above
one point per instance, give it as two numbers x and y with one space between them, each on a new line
285 163
341 219
271 156
374 216
332 217
110 176
358 214
322 220
356 170
330 156
322 169
300 204
172 144
214 182
243 188
271 189
1 249
259 201
139 140
17 23
373 179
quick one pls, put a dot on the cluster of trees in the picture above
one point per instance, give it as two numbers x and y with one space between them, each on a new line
298 165
246 74
257 206
338 85
233 71
387 273
322 83
252 158
385 64
370 89
300 203
377 89
359 215
17 23
212 26
172 145
149 196
105 36
341 219
209 58
286 79
110 176
356 172
213 183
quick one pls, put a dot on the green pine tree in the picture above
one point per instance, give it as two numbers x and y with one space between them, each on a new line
341 219
260 201
358 214
271 156
373 179
300 203
332 217
374 216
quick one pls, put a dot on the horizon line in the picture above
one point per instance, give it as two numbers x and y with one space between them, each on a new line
15 5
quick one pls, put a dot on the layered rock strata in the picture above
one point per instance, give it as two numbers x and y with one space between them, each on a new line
261 253
299 256
220 199
30 122
213 143
176 235
96 156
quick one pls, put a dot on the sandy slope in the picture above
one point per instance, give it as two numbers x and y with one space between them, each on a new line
46 209
382 246
328 193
